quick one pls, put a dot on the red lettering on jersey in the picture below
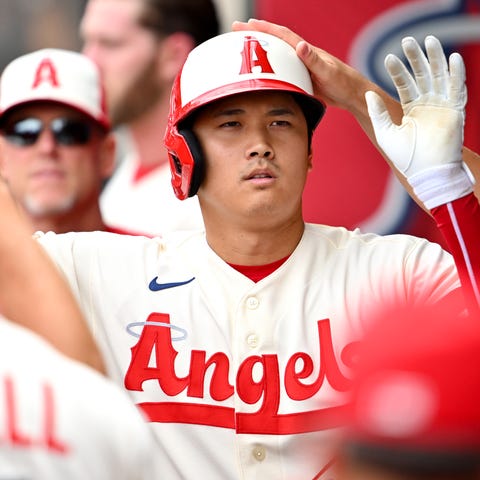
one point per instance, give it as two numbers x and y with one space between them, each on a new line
328 368
46 72
258 379
254 55
50 435
220 389
14 436
157 340
47 438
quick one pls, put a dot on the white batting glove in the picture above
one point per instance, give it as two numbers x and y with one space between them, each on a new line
427 147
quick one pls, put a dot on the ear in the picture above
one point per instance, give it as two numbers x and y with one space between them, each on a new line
310 161
172 53
107 155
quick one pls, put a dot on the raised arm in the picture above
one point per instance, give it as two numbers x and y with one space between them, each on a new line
33 293
426 148
341 86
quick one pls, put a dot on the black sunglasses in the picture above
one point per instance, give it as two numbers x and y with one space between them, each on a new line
66 131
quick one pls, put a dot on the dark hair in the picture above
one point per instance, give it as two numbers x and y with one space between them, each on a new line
198 18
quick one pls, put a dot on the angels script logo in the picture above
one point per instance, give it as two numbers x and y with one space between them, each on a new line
155 346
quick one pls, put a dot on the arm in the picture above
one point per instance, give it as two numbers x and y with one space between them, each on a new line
33 293
341 86
426 148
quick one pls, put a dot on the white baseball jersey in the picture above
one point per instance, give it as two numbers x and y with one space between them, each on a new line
146 205
241 380
62 420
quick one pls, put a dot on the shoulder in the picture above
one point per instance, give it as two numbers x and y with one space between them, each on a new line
342 237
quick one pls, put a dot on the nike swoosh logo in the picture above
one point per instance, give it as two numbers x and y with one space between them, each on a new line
155 287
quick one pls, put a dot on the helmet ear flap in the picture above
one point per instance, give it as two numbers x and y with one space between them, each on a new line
196 153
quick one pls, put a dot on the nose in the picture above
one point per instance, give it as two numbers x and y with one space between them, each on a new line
260 149
46 141
92 51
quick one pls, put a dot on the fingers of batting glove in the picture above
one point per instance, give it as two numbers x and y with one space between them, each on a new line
458 88
378 114
419 64
438 66
402 79
393 140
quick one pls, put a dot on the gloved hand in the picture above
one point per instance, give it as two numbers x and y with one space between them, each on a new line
427 147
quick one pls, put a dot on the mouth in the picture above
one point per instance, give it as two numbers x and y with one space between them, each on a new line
259 175
47 175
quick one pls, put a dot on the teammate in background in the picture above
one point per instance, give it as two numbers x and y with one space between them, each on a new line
55 140
414 401
140 45
341 86
237 342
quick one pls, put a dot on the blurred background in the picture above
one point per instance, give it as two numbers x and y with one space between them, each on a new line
350 184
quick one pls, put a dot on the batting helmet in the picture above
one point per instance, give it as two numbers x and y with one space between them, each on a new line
225 65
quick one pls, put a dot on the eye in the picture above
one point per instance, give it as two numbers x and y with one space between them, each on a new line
231 123
281 123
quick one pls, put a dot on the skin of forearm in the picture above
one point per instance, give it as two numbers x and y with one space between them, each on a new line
33 293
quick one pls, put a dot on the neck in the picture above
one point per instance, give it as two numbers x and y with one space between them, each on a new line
147 134
259 245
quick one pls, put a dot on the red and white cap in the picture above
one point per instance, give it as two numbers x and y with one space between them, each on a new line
416 391
55 75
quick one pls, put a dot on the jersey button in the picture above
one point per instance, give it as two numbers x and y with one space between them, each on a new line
252 340
259 453
252 303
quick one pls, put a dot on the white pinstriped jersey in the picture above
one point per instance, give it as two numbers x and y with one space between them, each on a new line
61 420
241 380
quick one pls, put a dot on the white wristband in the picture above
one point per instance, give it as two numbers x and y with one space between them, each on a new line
439 185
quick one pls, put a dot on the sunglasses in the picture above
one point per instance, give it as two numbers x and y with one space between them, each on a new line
66 131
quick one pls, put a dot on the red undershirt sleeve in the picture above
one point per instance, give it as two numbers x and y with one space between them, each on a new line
459 223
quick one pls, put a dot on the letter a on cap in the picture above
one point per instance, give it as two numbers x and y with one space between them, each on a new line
45 72
253 48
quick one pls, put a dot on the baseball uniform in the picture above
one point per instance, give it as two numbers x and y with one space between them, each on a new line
146 204
241 380
62 420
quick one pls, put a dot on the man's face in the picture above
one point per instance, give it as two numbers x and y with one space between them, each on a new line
257 157
46 177
126 53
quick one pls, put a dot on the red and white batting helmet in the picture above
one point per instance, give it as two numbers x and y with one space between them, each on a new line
225 65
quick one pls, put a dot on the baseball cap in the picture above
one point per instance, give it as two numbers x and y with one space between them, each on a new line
60 76
416 391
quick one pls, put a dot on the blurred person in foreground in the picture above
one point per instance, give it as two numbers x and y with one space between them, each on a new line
140 46
60 419
414 402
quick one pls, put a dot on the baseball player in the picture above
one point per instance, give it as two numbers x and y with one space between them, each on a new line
62 420
237 343
129 41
